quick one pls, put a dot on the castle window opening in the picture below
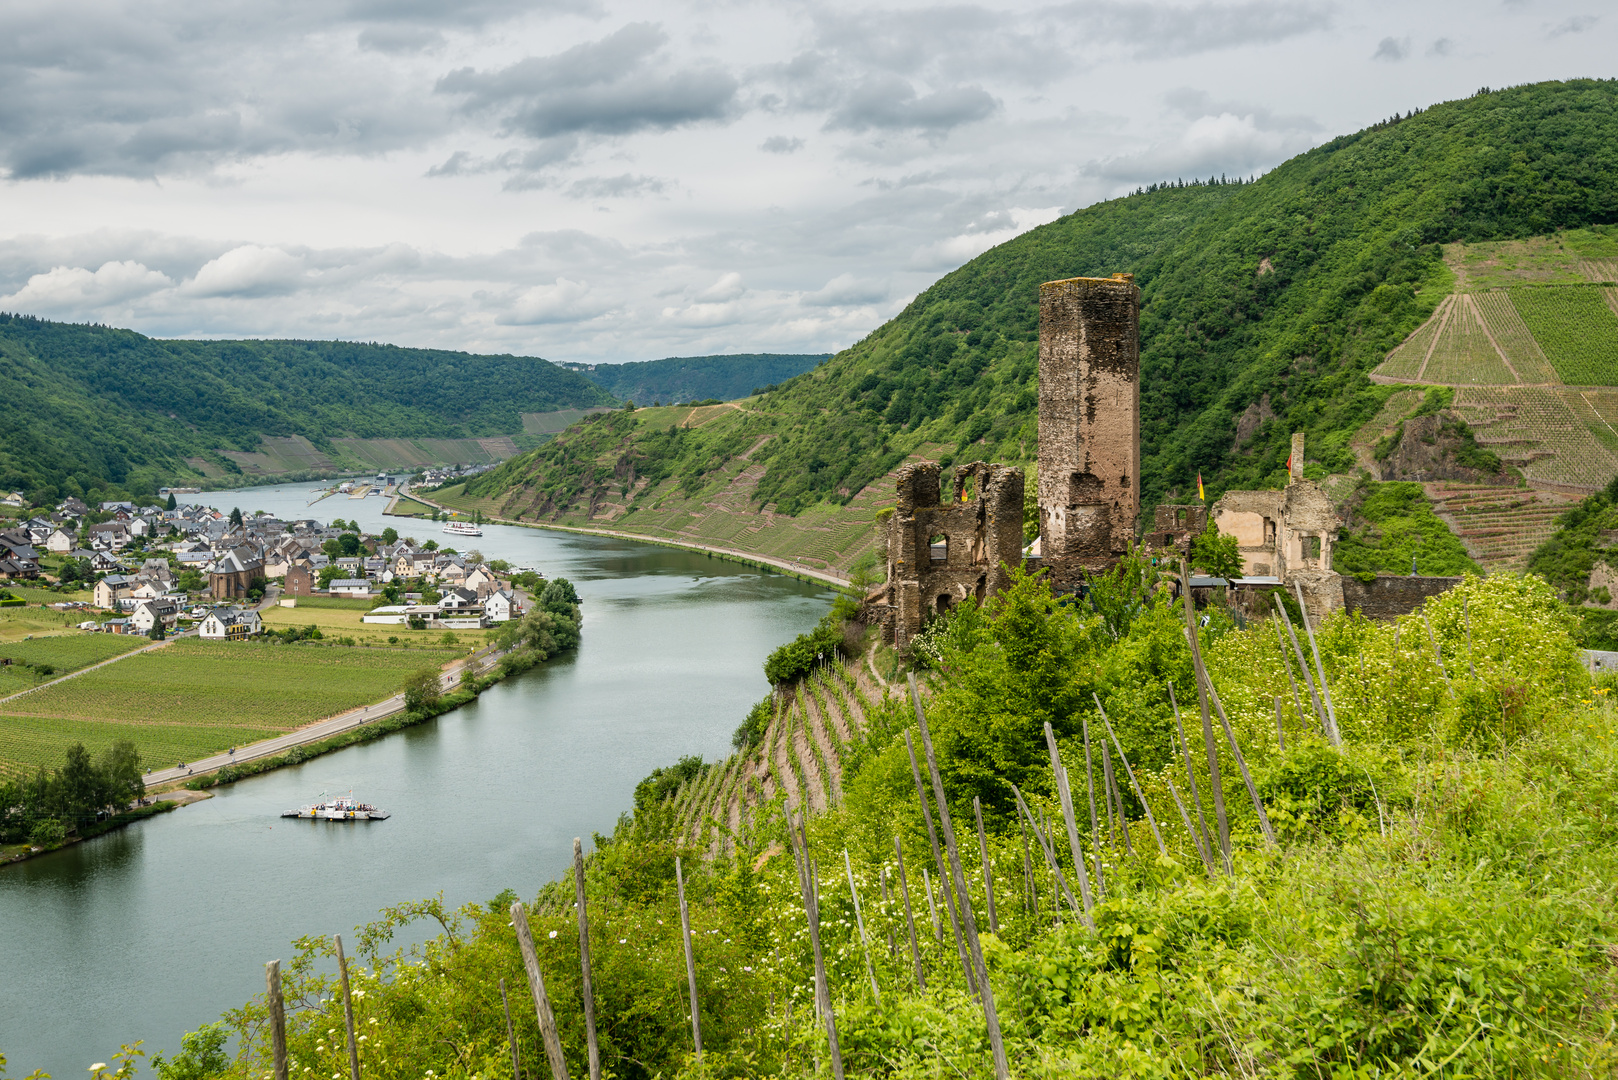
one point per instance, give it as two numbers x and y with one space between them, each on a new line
938 547
1269 530
1311 548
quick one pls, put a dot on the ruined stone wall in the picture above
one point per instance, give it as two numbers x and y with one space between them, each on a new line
1389 595
980 534
1089 423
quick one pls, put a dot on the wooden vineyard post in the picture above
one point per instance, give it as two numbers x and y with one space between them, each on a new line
690 959
938 861
1286 665
1030 890
542 1001
1325 687
1308 679
348 1010
910 918
1241 762
1215 782
811 909
887 904
1095 827
1466 616
1115 803
988 874
584 962
1065 795
932 906
1202 852
278 1018
859 921
1002 1067
1059 880
1191 777
511 1033
1133 783
1280 732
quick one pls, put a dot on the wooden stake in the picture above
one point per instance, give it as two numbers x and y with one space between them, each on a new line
1202 852
910 918
1320 669
1216 783
988 875
1191 779
1065 797
690 959
584 961
1280 732
1002 1066
1059 878
887 906
822 983
542 1002
1308 679
1134 784
1241 762
1030 893
511 1033
1115 803
859 921
932 906
278 1018
1286 665
938 861
348 1010
1095 829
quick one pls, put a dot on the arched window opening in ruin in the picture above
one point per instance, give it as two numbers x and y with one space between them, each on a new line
938 547
943 603
1269 530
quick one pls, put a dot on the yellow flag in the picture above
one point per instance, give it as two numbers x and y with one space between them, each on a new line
1200 493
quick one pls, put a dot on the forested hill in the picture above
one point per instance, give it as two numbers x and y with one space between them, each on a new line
92 405
696 378
1266 301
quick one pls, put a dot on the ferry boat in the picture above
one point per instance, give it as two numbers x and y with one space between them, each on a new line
345 808
462 528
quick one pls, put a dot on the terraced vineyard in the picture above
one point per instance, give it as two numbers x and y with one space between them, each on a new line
197 697
801 755
1529 339
1500 526
64 653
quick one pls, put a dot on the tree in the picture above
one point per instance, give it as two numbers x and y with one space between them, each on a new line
390 536
120 766
157 632
474 557
422 690
190 580
236 517
431 545
202 1055
172 504
329 573
1218 554
349 543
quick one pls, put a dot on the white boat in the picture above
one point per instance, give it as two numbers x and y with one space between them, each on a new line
462 528
346 808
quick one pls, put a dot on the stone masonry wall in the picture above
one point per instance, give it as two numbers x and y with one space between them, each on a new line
1389 595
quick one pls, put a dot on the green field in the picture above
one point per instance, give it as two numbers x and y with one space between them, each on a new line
198 697
1577 330
333 603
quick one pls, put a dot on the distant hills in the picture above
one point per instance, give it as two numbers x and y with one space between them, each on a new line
92 408
1265 306
684 379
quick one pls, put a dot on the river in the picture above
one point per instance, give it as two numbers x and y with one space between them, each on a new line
151 931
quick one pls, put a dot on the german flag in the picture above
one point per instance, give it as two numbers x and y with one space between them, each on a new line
1200 493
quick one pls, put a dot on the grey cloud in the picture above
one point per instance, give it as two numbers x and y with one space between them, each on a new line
584 65
1578 24
401 40
1194 104
1392 49
781 144
892 104
616 187
846 290
1441 47
1160 29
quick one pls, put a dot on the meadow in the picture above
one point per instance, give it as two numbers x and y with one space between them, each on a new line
346 621
197 697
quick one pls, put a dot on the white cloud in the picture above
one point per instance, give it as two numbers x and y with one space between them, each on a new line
563 301
728 287
992 230
249 271
74 289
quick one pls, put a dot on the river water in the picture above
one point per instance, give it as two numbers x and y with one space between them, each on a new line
151 931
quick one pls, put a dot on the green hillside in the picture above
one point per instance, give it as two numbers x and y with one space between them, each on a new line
92 406
1267 302
696 378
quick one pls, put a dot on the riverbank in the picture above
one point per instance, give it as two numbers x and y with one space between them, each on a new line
16 853
812 575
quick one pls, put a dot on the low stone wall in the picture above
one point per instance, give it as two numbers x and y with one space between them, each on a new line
1389 595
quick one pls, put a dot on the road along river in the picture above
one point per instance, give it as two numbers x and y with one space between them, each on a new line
153 930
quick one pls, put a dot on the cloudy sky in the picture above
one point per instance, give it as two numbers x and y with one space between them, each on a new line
619 180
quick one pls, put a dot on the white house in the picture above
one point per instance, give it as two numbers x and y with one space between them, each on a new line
355 587
230 624
60 542
147 613
501 606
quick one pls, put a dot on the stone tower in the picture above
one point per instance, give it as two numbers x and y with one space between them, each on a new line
1089 422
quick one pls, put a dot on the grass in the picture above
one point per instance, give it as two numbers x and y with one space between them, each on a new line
23 622
334 603
347 622
407 507
1388 524
197 697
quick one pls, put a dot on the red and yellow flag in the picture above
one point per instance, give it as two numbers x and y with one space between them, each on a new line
1200 493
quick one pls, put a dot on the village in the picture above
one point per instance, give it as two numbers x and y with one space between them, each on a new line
156 570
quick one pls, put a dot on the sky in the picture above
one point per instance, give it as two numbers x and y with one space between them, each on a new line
612 180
